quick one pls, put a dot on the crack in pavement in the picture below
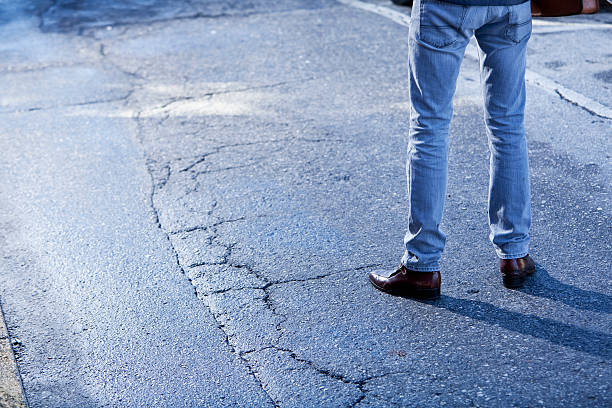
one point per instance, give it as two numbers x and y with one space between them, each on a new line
270 284
223 317
155 186
121 98
166 107
177 260
207 227
262 296
202 158
99 101
124 97
212 94
218 149
360 384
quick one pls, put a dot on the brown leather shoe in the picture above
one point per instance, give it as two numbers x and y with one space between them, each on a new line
514 271
404 282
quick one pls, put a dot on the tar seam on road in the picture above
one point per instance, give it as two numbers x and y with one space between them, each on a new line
553 87
12 394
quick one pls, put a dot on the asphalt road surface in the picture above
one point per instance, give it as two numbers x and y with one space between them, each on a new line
192 194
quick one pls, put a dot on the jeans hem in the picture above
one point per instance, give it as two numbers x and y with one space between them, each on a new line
422 268
512 256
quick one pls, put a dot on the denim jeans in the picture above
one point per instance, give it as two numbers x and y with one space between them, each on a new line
439 34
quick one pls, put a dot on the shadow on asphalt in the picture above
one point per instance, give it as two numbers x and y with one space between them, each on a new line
544 285
583 340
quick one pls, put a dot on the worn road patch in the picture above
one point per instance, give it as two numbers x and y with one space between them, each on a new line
11 392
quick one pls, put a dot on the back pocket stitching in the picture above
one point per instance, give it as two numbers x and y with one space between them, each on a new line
515 26
459 26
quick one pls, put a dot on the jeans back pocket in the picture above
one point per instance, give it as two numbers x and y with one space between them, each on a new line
519 22
440 22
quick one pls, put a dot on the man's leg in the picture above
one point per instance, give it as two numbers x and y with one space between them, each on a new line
437 45
503 46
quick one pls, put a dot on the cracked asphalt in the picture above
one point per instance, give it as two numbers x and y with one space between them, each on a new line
193 193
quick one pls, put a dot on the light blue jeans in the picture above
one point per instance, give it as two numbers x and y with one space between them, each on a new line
439 34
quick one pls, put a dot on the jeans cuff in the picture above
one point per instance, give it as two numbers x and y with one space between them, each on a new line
511 256
422 268
419 267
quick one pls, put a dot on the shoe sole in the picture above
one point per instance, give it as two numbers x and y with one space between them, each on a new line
413 293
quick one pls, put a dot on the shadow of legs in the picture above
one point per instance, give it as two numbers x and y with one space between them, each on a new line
541 284
584 340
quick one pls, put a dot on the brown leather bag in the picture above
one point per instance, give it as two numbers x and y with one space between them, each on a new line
556 8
